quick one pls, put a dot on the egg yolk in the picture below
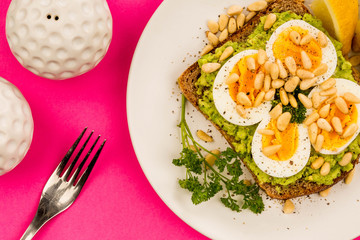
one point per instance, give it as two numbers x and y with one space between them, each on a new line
284 47
246 81
288 140
332 139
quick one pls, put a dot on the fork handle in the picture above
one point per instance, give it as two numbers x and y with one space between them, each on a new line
41 217
37 222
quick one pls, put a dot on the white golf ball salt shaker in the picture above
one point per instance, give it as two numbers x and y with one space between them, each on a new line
59 39
16 126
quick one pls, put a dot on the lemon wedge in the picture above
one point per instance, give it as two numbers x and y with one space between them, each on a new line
339 17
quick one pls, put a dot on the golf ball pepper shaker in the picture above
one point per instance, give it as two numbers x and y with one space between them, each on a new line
59 39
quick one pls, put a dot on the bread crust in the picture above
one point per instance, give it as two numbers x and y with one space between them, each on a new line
190 76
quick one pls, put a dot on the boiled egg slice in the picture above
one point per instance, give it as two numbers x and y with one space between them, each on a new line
334 143
280 46
293 155
224 94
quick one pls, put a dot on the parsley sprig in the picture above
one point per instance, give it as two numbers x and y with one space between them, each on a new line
205 181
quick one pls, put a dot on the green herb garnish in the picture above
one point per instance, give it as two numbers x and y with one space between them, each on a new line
297 114
205 181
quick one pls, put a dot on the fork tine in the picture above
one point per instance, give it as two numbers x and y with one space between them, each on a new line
65 160
77 172
72 165
88 170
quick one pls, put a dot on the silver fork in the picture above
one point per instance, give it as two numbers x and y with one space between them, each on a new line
59 192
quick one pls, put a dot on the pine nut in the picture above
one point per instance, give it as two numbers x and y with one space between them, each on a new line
243 99
271 150
350 176
305 100
291 84
304 74
292 101
270 94
324 111
325 193
226 53
259 99
306 61
267 66
322 39
213 26
203 136
257 6
314 116
325 169
282 71
313 131
232 78
270 20
206 49
223 35
324 125
321 69
328 92
232 25
247 182
250 16
210 67
241 111
259 81
261 56
277 83
250 63
349 97
306 39
308 83
346 159
267 83
289 207
234 10
328 84
355 60
336 123
193 148
210 158
267 132
240 20
213 39
317 163
276 111
350 130
331 99
223 21
291 65
341 105
319 142
283 97
295 37
274 71
283 121
316 99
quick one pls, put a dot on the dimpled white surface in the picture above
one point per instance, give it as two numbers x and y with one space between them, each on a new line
16 126
59 39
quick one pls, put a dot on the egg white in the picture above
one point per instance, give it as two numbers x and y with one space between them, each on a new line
329 55
281 169
226 105
343 86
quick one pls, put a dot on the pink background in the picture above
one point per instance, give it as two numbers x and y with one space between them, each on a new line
118 202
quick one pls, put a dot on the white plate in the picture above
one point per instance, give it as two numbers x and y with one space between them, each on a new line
167 47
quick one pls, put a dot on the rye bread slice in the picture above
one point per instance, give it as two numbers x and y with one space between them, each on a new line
187 85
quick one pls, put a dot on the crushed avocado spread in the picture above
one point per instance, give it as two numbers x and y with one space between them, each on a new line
242 136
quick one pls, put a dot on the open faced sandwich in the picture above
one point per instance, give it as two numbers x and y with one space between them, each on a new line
280 91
